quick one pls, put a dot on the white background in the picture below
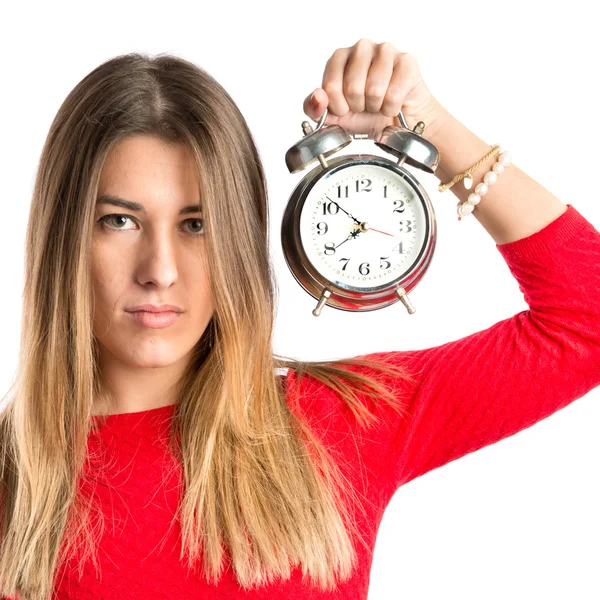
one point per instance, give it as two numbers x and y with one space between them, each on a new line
518 519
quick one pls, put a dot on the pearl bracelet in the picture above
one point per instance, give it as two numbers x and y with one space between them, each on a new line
465 208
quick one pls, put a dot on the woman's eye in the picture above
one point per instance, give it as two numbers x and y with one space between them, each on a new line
201 221
105 220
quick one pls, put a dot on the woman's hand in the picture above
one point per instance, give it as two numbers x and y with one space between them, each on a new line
365 86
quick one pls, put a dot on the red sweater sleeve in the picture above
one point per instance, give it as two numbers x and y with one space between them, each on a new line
479 389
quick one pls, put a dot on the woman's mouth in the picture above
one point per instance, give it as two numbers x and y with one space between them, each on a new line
155 320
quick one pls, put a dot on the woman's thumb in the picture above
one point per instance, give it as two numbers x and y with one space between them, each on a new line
315 104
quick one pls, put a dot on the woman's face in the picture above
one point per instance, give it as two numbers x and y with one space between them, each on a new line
152 254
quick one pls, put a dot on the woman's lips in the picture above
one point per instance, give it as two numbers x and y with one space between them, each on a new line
155 320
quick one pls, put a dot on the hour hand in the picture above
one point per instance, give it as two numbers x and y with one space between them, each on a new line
352 235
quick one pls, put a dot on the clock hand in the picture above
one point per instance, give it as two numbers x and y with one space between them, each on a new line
348 238
353 218
363 225
353 235
366 227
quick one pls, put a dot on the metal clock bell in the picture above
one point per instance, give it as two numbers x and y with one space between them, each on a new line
359 231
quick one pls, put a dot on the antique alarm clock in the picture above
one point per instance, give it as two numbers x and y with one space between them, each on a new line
359 231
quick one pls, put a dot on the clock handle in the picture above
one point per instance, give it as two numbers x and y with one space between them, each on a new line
400 118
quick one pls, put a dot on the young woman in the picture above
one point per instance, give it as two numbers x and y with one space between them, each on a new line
149 455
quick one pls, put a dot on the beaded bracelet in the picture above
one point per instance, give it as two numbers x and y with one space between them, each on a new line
466 208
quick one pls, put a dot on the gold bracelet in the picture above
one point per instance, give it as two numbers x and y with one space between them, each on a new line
442 187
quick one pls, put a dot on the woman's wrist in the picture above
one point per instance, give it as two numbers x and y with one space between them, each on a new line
458 146
515 206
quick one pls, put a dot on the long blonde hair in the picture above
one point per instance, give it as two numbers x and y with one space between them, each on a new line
242 451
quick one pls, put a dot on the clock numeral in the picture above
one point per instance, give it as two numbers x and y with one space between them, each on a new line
327 208
345 192
399 248
400 208
363 269
409 228
385 258
321 230
367 185
329 246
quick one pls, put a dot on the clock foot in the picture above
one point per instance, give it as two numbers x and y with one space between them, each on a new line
324 295
404 299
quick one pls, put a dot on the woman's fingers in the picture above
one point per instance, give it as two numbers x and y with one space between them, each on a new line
365 86
333 80
354 75
378 79
405 73
358 78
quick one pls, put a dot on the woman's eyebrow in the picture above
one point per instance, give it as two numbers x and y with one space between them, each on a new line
136 207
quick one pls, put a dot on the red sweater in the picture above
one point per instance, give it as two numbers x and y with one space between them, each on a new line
468 393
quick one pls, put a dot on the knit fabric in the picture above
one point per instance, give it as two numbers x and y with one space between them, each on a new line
465 394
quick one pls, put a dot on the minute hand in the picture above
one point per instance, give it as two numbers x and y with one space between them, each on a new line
353 218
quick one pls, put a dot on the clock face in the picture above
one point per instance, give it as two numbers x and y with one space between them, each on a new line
363 226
